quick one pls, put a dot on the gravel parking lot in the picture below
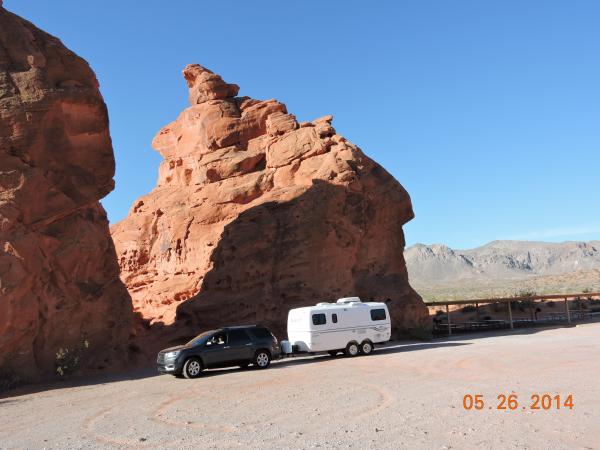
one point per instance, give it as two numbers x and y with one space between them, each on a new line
406 395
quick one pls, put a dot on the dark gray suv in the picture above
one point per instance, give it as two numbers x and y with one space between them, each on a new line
225 347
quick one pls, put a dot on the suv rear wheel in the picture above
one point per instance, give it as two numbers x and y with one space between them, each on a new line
262 359
192 368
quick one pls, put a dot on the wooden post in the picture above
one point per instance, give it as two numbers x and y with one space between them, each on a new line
477 311
531 310
567 313
448 318
510 320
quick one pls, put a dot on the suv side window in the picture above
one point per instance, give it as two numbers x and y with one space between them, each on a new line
334 318
260 333
319 319
378 314
219 338
238 337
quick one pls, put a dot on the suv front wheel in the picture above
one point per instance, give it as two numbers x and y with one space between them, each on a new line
192 368
262 359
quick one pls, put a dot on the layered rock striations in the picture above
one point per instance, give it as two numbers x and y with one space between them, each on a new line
62 304
255 213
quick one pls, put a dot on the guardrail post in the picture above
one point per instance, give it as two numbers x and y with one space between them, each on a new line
448 318
510 319
477 311
567 313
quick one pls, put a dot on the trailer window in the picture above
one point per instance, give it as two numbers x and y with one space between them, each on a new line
334 318
319 319
378 314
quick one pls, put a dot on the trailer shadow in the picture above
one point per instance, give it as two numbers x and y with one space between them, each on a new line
387 350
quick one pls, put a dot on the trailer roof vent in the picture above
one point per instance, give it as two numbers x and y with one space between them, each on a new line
323 304
349 300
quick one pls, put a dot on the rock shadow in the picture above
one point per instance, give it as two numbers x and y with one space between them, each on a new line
326 243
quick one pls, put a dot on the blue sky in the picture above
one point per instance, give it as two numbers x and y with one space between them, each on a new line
487 112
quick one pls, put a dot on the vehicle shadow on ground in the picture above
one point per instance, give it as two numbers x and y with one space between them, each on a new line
320 358
387 350
525 330
11 395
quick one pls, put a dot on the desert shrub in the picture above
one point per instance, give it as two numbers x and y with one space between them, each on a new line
440 312
525 293
522 305
68 359
8 379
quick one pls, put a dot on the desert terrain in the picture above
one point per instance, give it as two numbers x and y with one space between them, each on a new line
406 395
503 269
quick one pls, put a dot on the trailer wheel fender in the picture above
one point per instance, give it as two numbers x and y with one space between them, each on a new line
366 347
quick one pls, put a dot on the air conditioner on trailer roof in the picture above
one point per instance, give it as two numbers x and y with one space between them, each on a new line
349 300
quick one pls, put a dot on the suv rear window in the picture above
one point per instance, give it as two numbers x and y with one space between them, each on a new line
319 319
260 333
238 337
378 314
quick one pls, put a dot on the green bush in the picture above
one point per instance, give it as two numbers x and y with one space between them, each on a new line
8 379
68 359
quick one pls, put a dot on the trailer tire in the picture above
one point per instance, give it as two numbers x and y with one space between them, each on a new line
366 347
351 349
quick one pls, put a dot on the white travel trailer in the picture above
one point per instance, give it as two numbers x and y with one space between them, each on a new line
348 325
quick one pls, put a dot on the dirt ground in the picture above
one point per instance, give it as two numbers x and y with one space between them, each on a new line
406 395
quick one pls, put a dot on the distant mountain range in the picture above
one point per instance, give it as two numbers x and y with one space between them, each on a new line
503 268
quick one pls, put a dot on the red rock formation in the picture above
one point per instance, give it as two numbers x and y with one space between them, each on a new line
255 213
59 279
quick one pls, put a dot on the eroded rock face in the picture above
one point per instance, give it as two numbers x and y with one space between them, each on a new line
255 213
59 279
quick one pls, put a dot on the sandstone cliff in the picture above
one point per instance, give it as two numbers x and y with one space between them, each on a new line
62 304
255 213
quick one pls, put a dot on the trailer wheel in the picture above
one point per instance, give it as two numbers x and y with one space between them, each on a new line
366 348
351 349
